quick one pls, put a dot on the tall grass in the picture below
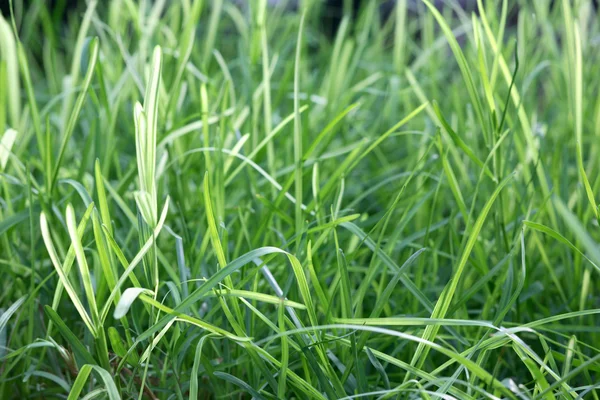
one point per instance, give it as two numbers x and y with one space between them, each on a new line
219 200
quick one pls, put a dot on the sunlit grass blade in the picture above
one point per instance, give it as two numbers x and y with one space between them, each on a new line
8 49
63 275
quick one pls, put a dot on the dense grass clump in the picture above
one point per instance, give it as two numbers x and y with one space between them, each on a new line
219 199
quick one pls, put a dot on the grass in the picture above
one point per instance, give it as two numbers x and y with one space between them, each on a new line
207 200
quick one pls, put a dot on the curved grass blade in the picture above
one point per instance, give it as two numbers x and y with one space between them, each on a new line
84 373
62 273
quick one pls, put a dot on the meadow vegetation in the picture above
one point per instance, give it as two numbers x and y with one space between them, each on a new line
216 199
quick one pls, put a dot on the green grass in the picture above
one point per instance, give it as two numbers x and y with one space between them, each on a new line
205 200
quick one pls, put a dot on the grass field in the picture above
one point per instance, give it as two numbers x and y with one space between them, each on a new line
200 199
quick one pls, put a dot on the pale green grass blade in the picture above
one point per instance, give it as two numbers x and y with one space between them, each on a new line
4 317
63 275
129 267
128 297
8 50
6 144
82 377
265 298
83 265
